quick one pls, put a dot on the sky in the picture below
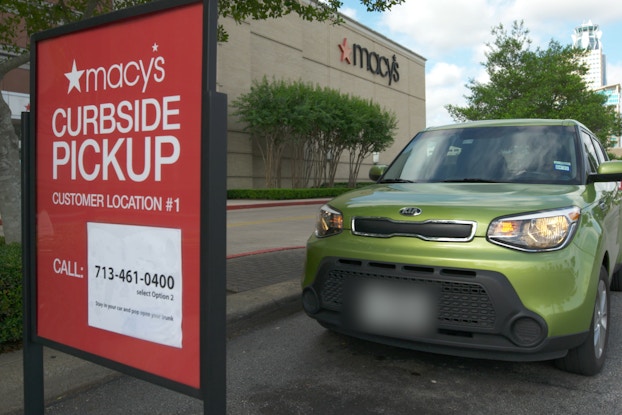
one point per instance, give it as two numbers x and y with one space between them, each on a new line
452 35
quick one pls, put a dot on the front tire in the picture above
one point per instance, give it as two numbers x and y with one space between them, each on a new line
588 358
616 281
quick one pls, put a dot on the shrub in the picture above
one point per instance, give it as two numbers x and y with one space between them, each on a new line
288 194
10 293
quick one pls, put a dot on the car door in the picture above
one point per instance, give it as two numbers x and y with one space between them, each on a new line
608 196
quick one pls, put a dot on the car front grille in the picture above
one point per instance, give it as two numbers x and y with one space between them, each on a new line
463 305
431 230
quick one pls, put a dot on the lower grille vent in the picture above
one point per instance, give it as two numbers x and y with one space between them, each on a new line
462 304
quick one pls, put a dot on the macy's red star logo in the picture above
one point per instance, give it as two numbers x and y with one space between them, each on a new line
74 78
346 51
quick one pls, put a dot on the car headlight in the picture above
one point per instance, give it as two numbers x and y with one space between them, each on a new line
329 222
542 231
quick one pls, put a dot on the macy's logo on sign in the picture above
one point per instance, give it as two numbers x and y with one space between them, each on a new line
117 75
371 61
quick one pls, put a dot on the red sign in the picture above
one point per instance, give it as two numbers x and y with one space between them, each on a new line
118 145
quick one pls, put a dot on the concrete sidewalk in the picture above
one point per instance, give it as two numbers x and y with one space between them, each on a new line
257 283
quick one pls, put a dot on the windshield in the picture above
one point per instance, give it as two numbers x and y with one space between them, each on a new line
516 154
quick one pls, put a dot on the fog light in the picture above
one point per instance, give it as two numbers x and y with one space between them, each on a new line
310 301
527 332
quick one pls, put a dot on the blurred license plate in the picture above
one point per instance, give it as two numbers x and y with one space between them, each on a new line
394 309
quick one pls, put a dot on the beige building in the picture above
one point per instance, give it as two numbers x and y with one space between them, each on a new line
350 58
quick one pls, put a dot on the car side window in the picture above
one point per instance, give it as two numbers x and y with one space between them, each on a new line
590 152
600 152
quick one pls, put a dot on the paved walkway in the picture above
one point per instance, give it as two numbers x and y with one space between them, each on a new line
250 272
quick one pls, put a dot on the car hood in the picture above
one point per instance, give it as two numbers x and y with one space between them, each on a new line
479 202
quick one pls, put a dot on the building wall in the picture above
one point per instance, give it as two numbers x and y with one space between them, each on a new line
292 49
614 100
595 75
16 80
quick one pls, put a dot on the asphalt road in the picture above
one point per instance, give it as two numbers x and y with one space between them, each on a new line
288 364
251 230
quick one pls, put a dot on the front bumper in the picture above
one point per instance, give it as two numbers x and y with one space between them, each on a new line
477 314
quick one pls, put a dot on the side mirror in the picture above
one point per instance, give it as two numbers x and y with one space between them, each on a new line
608 171
377 171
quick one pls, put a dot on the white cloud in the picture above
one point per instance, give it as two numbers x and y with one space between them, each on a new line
444 73
434 28
614 73
348 11
444 85
554 11
555 19
437 27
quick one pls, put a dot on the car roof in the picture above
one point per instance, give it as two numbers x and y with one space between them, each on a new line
507 123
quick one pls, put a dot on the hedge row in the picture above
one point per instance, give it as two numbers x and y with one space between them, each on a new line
288 194
10 292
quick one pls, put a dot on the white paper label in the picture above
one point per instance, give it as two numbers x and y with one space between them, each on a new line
135 281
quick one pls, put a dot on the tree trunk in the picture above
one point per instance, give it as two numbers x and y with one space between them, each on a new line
10 177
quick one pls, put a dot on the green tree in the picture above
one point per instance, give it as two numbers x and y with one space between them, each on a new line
19 19
540 83
316 126
375 131
269 112
319 133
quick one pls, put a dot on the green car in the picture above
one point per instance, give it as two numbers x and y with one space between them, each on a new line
491 239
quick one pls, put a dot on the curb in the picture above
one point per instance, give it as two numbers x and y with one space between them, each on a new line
264 204
261 301
264 251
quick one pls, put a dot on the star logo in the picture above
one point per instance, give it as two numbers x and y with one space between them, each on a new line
74 78
346 51
155 47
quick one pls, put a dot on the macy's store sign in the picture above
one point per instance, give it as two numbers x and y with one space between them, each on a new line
369 61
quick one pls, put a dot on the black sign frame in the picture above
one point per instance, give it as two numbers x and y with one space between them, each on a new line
212 330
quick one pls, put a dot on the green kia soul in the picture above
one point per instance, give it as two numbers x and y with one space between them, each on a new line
491 239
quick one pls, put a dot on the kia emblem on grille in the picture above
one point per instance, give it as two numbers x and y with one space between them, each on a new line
410 211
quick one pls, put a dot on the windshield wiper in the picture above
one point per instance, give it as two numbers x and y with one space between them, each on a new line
396 181
469 180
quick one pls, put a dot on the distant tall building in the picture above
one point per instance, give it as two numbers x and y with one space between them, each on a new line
587 36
